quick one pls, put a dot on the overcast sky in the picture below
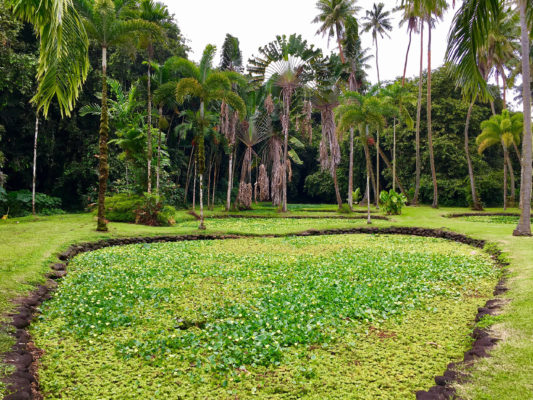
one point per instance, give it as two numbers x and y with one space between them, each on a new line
257 23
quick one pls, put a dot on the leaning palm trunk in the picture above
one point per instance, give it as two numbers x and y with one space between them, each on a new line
34 178
103 166
391 167
435 203
476 205
418 117
407 56
524 225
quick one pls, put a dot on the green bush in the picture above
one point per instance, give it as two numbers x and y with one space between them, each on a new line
392 202
18 203
146 210
319 186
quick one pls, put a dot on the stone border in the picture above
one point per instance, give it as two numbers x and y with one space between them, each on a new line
23 383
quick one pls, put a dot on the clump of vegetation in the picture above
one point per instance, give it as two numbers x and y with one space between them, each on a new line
212 309
18 203
146 210
392 202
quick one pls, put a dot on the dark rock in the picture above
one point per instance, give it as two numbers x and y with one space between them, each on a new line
20 323
21 395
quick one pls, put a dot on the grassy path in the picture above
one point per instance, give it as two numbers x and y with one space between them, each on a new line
27 246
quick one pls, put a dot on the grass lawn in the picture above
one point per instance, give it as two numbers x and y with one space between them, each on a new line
29 246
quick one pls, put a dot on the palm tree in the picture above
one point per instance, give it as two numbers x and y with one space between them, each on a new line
106 28
410 18
333 17
231 60
206 85
504 129
285 63
378 21
63 51
156 13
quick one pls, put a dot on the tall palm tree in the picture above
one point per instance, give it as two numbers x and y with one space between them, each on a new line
63 51
205 84
106 27
156 13
410 18
378 22
231 60
332 17
504 129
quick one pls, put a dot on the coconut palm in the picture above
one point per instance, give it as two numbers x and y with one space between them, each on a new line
156 13
504 129
205 84
63 51
231 60
333 18
107 28
378 22
412 20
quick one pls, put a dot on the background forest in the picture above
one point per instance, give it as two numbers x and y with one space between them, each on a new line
67 155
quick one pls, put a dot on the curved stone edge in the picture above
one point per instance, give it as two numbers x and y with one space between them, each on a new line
23 383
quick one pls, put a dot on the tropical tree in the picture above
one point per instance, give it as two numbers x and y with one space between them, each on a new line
107 27
411 19
287 64
504 129
231 60
206 85
378 22
333 16
63 51
157 14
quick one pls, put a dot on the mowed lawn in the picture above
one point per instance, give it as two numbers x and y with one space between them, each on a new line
29 246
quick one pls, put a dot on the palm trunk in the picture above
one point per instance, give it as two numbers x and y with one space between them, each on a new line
201 167
158 171
521 173
194 188
230 180
202 226
475 201
511 178
377 62
430 133
407 57
390 166
350 173
369 163
215 176
368 220
34 178
504 177
339 41
524 225
377 170
187 179
418 117
149 134
287 93
394 156
103 166
336 184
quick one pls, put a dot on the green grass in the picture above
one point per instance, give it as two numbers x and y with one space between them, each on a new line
28 247
258 305
493 219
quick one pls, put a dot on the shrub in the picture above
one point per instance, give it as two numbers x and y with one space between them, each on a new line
356 195
18 203
121 207
146 210
319 186
392 202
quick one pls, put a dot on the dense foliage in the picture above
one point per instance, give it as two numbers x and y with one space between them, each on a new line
212 312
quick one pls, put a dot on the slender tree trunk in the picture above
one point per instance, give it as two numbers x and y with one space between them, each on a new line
187 179
194 188
389 166
512 179
202 225
504 91
377 62
504 177
230 179
215 176
339 41
521 173
158 171
369 163
103 166
368 220
476 205
350 173
149 134
418 117
430 133
524 225
34 178
201 166
394 156
336 184
287 93
377 170
407 57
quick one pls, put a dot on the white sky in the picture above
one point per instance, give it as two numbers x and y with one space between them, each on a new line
256 23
